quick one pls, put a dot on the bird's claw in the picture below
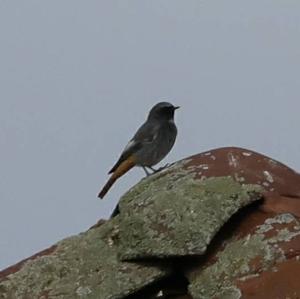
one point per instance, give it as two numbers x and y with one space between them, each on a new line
154 170
146 171
162 168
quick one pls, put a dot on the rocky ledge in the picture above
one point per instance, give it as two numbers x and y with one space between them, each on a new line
221 224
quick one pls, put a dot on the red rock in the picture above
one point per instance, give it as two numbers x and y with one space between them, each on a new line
15 268
282 283
248 167
267 275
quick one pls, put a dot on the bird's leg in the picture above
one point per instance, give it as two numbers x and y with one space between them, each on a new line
159 169
163 167
153 169
146 171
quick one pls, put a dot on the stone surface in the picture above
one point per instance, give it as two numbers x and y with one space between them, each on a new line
280 283
255 256
177 215
84 266
247 167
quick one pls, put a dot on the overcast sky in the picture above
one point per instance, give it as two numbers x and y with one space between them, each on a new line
77 78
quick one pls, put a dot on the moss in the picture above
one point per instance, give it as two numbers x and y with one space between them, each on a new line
84 266
170 213
236 260
176 214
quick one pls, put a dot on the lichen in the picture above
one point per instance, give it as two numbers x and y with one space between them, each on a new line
236 260
279 219
84 266
176 214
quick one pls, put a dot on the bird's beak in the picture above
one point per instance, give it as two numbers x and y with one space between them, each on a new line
176 107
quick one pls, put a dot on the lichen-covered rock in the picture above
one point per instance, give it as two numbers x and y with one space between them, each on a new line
254 253
177 215
253 257
84 266
247 167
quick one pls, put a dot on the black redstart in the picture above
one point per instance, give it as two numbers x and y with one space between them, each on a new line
150 144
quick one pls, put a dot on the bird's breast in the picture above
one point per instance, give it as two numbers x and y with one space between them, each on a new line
154 152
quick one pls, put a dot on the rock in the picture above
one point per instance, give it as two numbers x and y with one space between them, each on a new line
194 230
250 256
247 167
177 215
83 266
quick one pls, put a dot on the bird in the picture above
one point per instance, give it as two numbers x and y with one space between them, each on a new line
150 144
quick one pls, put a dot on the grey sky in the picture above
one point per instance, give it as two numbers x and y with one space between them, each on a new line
78 77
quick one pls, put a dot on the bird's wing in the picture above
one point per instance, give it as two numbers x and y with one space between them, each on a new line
147 133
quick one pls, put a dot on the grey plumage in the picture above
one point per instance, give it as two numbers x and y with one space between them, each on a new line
154 139
150 144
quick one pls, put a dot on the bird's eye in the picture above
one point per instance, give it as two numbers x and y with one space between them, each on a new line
165 109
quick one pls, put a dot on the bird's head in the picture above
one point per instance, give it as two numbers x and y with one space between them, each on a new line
162 111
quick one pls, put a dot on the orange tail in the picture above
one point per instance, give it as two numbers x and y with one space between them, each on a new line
122 169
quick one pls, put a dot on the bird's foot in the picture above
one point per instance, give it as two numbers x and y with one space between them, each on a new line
154 170
146 171
160 168
163 167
